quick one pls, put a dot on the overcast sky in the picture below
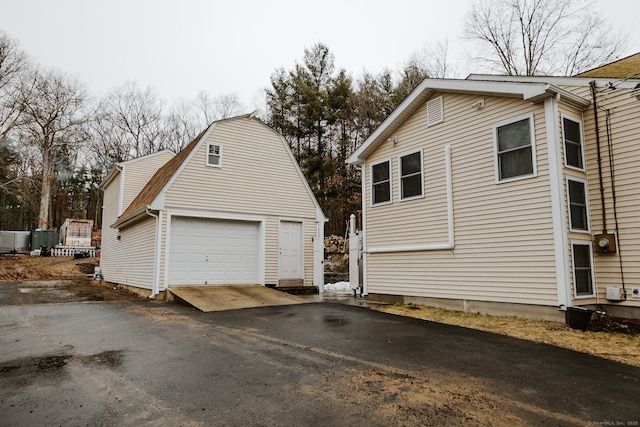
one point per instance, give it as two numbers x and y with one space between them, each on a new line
180 47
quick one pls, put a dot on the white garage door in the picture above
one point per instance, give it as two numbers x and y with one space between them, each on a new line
213 252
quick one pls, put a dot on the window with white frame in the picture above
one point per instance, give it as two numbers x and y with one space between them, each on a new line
515 150
573 149
578 204
381 182
214 154
582 268
411 175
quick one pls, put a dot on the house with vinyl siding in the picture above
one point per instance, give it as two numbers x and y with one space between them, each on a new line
231 208
506 195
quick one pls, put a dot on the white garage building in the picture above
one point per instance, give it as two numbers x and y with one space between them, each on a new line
232 208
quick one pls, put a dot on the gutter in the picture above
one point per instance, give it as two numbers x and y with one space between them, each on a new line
119 223
450 243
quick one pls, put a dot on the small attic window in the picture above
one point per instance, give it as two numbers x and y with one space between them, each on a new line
214 155
435 111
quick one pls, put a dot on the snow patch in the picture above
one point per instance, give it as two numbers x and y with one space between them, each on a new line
339 287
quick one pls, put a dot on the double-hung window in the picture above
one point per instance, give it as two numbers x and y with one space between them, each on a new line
381 182
578 204
573 148
515 150
214 155
582 268
411 175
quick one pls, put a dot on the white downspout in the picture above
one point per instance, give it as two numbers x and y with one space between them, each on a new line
156 259
121 190
558 204
365 289
450 243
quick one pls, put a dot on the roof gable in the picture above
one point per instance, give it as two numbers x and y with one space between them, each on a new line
157 186
117 168
528 91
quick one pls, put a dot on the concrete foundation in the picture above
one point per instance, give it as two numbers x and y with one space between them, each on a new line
527 311
162 296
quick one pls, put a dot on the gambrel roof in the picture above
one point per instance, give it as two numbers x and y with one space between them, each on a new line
159 182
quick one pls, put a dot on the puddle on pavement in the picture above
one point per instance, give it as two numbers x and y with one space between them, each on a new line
335 321
54 362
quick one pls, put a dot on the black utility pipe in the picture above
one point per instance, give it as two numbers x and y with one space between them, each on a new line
592 84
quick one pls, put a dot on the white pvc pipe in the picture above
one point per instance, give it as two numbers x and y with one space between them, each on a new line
155 287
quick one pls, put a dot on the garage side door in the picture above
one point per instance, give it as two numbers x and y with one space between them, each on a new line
213 252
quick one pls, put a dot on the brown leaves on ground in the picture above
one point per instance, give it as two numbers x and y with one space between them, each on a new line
609 343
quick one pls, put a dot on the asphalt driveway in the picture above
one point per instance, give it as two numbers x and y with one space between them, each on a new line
145 363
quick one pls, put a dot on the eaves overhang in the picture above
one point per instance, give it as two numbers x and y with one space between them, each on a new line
527 91
110 176
132 217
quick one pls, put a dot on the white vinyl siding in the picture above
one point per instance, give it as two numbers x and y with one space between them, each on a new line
624 128
111 200
582 258
573 146
245 186
381 182
515 149
116 266
411 182
133 256
138 172
502 233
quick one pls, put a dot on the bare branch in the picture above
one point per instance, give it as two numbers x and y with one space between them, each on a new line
540 37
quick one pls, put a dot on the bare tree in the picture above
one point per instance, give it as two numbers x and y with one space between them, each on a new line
13 62
52 119
541 37
137 114
182 124
434 58
218 107
107 145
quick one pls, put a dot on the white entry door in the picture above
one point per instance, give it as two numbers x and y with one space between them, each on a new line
290 263
214 252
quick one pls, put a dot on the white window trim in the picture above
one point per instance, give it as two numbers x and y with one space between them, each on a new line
431 101
219 165
390 182
573 269
534 161
400 156
586 201
564 143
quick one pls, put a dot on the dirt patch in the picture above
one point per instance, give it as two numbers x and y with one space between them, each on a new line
609 338
40 280
411 400
25 267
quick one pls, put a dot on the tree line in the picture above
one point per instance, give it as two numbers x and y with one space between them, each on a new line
57 143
